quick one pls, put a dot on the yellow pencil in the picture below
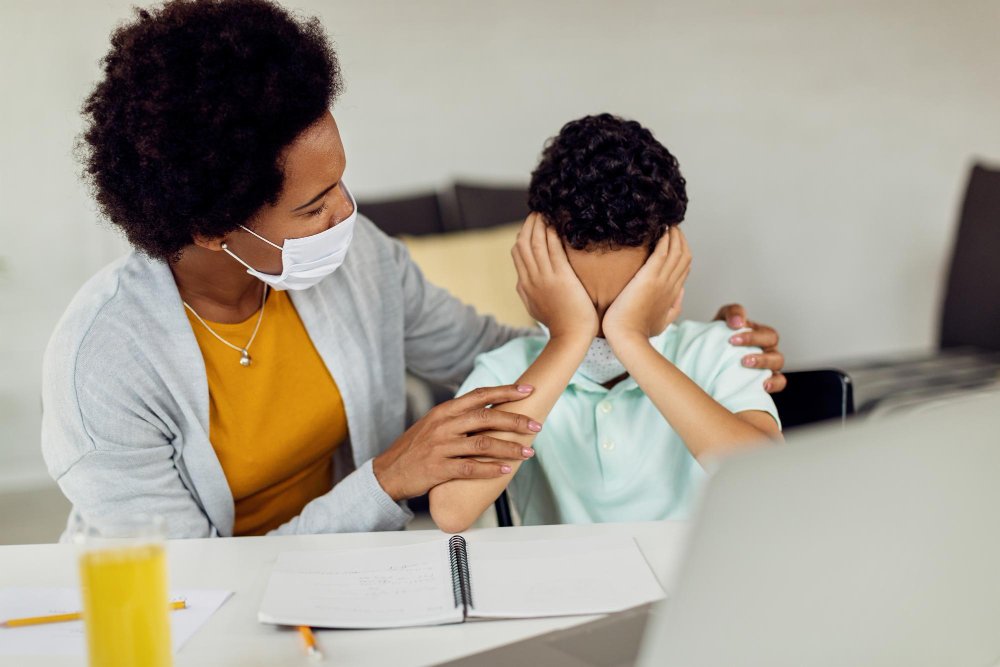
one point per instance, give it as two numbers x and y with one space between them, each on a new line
310 640
59 618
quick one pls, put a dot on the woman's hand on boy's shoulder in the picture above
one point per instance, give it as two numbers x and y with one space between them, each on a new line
760 335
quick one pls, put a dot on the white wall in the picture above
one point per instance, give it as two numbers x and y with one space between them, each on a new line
825 145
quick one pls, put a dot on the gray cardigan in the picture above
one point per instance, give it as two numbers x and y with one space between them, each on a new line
125 420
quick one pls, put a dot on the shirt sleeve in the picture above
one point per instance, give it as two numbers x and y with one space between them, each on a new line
738 388
483 375
442 335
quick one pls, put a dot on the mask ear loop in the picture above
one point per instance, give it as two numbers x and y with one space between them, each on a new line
229 252
273 245
232 254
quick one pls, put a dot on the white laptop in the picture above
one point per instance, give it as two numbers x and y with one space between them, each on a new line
877 545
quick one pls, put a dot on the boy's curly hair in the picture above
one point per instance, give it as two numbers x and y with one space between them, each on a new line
604 181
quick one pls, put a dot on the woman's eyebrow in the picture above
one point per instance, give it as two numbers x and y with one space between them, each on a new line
315 199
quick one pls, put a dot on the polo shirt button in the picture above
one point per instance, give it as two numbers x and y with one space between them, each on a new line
605 406
608 445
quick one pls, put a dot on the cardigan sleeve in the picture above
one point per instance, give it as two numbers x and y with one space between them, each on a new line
443 336
111 454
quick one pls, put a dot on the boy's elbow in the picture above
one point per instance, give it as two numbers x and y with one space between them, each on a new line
450 523
448 516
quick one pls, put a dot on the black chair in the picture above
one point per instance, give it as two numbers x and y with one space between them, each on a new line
502 507
970 316
810 397
968 354
814 396
414 215
482 206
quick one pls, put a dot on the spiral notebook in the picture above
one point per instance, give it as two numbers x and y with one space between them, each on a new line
453 579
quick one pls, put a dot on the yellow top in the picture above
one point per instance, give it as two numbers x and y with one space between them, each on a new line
274 424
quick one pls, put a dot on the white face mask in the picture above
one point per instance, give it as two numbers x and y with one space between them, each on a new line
601 365
306 261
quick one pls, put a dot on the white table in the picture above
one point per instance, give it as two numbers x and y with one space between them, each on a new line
234 637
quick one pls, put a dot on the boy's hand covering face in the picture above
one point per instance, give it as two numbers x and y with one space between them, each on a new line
653 298
547 284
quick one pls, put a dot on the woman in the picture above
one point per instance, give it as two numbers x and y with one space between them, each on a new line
242 372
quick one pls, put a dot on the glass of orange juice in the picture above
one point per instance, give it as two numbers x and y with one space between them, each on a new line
123 582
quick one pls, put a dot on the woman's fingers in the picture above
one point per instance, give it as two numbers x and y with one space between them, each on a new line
473 469
734 315
760 335
776 383
482 397
486 446
773 361
488 419
471 413
771 358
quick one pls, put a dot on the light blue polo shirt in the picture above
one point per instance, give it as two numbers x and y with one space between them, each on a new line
609 455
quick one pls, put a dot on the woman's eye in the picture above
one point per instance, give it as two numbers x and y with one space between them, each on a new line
318 211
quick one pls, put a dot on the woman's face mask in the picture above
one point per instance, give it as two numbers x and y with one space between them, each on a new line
306 261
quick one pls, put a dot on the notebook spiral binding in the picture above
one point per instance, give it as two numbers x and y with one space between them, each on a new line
460 583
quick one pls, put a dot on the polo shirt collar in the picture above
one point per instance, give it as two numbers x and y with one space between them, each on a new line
581 382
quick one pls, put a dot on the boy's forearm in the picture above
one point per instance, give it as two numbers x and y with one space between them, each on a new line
456 504
705 426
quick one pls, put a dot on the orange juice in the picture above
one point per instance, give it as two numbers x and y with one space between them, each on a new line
125 606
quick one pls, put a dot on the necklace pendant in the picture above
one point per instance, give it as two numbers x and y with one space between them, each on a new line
245 359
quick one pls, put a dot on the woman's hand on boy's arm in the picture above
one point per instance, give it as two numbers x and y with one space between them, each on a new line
441 445
554 296
761 336
456 504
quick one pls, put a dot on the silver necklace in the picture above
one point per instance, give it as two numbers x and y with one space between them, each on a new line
245 359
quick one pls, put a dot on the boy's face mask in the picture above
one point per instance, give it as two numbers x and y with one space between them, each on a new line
601 365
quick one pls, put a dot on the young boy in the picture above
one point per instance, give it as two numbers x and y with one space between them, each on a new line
632 402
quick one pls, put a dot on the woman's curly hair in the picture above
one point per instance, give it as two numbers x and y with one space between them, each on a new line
185 131
604 181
